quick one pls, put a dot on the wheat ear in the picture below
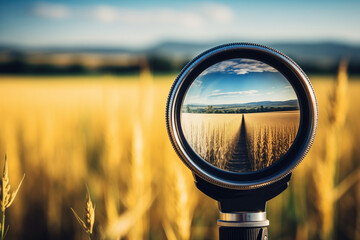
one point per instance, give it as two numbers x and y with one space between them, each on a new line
89 218
7 198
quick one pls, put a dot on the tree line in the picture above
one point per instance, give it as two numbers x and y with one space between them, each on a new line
211 109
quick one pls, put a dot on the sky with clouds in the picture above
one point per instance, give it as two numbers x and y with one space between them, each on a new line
239 81
144 23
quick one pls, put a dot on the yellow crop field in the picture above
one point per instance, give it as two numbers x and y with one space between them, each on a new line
269 136
217 138
212 136
108 133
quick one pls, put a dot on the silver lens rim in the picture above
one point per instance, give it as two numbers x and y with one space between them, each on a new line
177 142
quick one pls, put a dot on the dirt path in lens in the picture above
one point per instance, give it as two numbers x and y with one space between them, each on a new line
240 159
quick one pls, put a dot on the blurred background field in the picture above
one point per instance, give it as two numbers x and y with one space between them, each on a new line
83 88
109 133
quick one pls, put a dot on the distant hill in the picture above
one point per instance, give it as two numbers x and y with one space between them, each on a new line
313 57
321 57
318 51
289 103
179 49
300 51
250 107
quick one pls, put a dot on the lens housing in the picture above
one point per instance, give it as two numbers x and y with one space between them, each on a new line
249 180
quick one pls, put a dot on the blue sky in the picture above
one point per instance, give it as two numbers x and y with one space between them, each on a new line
239 81
144 23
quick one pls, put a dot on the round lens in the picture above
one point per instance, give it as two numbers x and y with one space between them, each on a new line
240 115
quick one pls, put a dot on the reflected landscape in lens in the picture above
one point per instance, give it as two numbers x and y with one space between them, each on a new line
240 115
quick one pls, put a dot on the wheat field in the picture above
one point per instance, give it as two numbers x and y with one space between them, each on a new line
215 136
269 136
212 136
108 133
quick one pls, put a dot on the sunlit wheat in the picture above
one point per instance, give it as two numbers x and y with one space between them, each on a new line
89 218
212 136
269 136
7 198
66 129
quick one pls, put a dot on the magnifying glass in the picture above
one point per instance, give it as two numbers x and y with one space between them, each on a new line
242 117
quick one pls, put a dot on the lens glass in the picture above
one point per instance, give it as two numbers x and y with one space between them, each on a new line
240 115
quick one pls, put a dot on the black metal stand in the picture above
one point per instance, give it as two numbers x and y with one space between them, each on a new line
242 212
236 233
243 225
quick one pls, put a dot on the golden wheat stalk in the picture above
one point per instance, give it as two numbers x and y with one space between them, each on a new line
325 169
181 199
89 218
7 198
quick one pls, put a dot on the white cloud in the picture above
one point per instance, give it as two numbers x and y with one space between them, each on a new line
230 94
239 67
134 26
193 16
138 17
218 12
105 14
197 83
50 10
120 23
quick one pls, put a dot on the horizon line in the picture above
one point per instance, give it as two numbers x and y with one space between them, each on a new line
237 103
129 46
